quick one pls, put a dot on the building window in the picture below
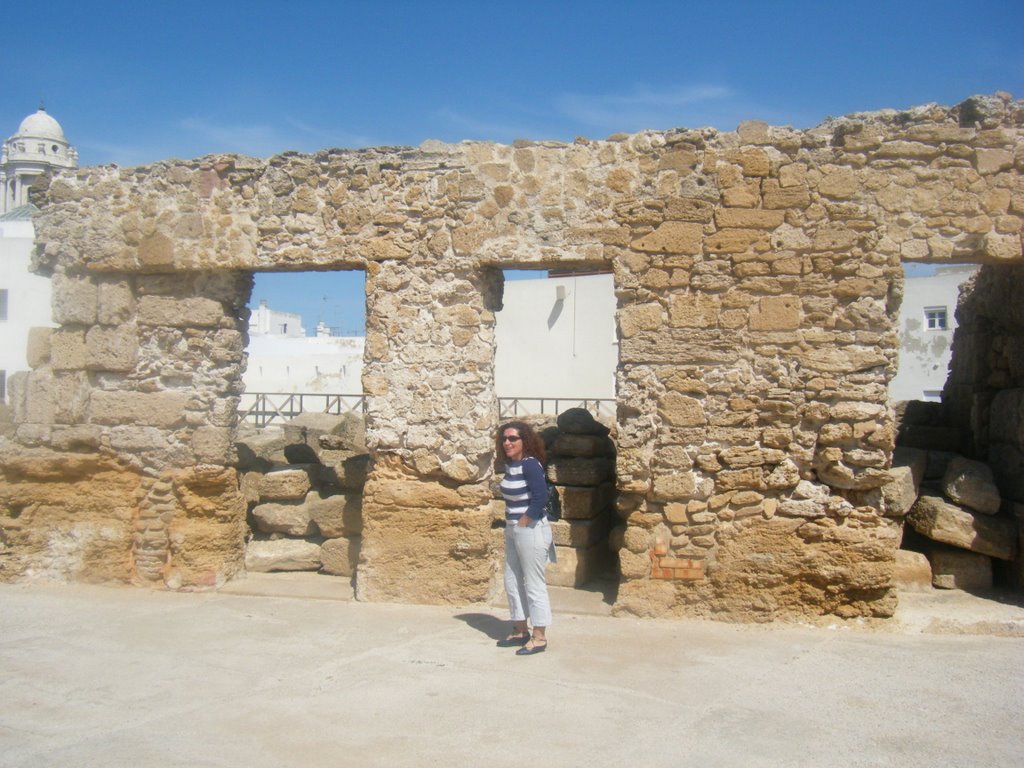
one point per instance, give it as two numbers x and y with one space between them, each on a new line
936 319
3 305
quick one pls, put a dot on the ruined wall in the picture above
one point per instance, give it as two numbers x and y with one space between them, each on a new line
758 280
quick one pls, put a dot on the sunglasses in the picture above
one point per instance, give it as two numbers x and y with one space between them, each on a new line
511 439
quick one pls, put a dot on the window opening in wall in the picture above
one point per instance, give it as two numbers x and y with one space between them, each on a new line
926 325
306 341
556 346
935 319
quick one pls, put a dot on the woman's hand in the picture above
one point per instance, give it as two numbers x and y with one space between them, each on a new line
523 521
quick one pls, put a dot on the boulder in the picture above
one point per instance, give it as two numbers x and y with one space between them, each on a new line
971 484
285 485
957 569
903 487
338 515
912 571
939 520
340 556
289 519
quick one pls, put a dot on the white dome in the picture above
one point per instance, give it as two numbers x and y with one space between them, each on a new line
40 126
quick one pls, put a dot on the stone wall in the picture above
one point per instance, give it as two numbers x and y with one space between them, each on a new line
758 277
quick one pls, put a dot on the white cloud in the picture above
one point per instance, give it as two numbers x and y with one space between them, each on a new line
649 107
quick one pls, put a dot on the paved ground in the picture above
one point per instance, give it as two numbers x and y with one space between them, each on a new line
95 676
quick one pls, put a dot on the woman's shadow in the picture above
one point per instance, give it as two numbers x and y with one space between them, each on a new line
491 626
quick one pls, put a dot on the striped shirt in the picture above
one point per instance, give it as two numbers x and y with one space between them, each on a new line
524 488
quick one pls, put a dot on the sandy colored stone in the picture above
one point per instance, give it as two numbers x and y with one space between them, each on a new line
941 521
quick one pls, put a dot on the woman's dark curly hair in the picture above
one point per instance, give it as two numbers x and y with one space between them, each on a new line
532 443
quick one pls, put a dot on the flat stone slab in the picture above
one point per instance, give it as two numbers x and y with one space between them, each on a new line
939 520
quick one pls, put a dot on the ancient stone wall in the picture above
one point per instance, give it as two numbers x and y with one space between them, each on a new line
758 279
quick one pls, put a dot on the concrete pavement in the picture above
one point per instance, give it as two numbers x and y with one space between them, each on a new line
104 676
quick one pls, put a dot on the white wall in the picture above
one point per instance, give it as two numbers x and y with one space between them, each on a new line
325 364
925 353
557 347
28 295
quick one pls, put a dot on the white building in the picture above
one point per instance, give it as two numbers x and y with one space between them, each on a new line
555 339
926 325
38 146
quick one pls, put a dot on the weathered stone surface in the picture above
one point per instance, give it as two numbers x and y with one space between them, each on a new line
282 555
936 518
584 502
957 569
290 519
912 572
903 487
971 484
285 484
340 556
576 566
338 515
580 533
570 471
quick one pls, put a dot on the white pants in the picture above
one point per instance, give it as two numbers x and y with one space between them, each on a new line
527 551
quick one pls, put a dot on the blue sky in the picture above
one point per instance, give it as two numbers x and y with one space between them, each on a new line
135 82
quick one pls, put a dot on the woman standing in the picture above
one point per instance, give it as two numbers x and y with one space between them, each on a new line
528 544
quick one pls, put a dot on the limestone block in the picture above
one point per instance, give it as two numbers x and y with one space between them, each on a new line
582 446
115 303
285 484
989 161
584 502
111 348
289 519
776 313
971 484
673 486
735 240
340 556
579 533
212 445
155 409
912 571
754 132
38 349
779 197
337 515
681 410
347 474
639 317
573 471
80 437
694 310
903 487
1002 247
689 209
282 555
249 486
133 439
176 312
576 567
957 569
67 350
74 300
939 520
672 237
748 218
839 183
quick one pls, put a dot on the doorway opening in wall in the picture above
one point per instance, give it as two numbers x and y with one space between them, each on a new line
556 353
302 454
958 337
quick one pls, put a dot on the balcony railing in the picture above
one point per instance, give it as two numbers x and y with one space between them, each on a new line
263 408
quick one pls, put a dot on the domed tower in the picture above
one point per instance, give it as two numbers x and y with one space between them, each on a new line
38 146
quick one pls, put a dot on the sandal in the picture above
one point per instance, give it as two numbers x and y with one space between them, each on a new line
531 648
512 641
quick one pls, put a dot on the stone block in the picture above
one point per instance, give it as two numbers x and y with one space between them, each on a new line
285 484
38 347
694 310
73 299
912 571
346 474
585 502
212 445
957 569
338 515
115 303
282 555
579 533
575 567
289 519
748 218
569 471
154 409
580 421
111 348
681 410
672 237
776 313
340 556
67 350
971 484
177 312
582 446
941 521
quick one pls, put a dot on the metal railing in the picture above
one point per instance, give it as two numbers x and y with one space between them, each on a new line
262 408
510 407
